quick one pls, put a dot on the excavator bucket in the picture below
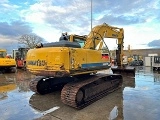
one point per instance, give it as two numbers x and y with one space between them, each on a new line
124 71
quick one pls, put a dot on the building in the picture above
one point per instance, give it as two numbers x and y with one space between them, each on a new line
142 52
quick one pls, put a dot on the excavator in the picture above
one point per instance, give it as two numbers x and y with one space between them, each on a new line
6 64
74 67
134 59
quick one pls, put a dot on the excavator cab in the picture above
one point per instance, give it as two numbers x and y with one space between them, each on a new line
3 54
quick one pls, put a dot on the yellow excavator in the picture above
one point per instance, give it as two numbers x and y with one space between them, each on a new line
134 59
6 64
73 66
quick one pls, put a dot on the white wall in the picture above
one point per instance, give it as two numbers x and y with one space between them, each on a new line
155 54
147 61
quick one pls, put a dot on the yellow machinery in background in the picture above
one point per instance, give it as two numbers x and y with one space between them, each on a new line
134 59
130 58
73 66
137 60
137 57
6 64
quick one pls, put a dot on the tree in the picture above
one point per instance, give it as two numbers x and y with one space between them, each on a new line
30 40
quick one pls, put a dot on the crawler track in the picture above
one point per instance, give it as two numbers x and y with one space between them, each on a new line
79 91
79 94
43 85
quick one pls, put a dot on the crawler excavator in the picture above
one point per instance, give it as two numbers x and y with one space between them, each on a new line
6 64
74 67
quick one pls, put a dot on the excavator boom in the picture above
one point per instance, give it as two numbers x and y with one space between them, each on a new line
105 31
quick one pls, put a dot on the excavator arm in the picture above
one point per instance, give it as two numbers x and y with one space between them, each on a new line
95 38
99 32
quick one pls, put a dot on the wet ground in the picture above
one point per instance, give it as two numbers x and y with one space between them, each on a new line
138 99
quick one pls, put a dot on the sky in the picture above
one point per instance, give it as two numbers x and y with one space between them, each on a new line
140 20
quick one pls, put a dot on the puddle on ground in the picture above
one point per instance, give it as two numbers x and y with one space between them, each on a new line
138 99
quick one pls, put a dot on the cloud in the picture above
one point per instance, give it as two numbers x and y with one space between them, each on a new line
69 15
15 28
11 32
49 18
7 7
62 17
154 43
121 20
127 12
8 43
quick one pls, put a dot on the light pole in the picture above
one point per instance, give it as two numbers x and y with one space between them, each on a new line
91 15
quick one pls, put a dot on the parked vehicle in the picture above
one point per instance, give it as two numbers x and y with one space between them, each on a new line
20 57
7 64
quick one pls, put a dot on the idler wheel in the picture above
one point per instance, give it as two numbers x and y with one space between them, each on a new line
43 87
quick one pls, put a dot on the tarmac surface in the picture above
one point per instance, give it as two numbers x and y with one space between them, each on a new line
138 99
